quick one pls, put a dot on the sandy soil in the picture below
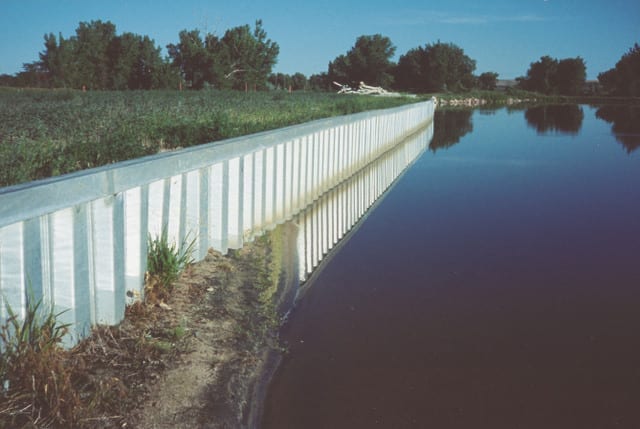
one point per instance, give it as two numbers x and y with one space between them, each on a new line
232 347
207 385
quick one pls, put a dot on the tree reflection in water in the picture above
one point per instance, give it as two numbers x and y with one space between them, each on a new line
626 124
452 124
560 118
450 127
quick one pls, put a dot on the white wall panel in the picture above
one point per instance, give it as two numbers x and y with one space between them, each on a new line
80 242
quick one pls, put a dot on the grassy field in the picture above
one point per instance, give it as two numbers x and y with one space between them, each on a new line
45 133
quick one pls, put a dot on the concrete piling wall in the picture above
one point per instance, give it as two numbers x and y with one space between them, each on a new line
79 242
324 223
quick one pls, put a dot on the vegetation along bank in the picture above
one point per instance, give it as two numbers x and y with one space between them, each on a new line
46 133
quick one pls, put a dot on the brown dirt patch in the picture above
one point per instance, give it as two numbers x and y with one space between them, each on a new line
209 385
196 361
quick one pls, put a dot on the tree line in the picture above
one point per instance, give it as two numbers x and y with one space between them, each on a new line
552 76
435 67
96 57
568 76
624 78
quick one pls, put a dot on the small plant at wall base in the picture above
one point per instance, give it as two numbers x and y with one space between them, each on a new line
35 385
165 262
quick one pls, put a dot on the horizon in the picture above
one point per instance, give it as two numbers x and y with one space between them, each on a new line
501 36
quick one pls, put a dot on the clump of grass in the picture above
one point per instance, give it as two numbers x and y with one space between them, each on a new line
35 384
165 262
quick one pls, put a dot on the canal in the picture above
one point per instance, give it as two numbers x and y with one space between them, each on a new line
496 285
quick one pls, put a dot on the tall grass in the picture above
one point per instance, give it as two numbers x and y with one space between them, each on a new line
165 262
35 384
46 133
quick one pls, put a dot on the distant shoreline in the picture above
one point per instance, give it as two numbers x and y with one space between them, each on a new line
489 98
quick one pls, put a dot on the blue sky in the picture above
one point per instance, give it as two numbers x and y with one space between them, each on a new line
504 36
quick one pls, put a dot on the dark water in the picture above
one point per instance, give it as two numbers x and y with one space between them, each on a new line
496 286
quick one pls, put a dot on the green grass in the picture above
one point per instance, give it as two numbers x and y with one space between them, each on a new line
165 260
45 133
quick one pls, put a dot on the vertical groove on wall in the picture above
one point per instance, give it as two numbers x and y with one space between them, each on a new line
81 293
119 279
32 257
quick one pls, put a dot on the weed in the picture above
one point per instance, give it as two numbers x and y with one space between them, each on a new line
162 346
35 383
176 333
165 262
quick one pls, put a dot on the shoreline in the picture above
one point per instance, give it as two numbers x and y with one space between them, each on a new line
233 393
492 98
477 102
288 287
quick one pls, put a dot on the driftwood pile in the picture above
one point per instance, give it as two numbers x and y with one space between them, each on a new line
364 89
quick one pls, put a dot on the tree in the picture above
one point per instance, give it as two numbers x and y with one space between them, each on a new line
436 67
540 76
32 75
265 56
135 62
339 71
410 73
242 58
624 78
608 80
192 58
148 66
279 80
248 57
98 58
319 82
91 53
57 61
50 60
7 80
122 53
369 61
296 82
550 76
570 77
488 81
167 76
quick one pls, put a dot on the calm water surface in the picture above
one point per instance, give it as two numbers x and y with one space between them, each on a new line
496 286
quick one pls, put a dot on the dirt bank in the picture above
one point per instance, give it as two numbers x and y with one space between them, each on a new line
229 305
202 358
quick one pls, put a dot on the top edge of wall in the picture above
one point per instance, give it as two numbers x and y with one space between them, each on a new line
32 199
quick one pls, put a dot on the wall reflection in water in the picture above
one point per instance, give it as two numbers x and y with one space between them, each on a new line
323 224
